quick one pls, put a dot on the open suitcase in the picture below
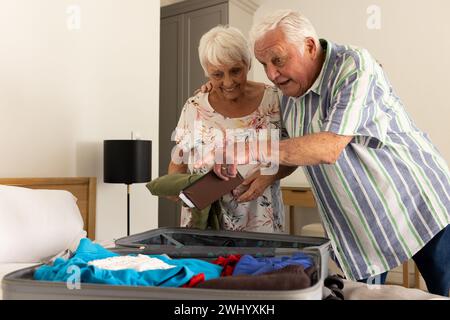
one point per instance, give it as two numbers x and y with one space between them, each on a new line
185 243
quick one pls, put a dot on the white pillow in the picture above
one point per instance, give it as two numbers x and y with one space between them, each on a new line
37 224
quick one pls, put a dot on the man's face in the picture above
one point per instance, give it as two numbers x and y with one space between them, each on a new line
285 66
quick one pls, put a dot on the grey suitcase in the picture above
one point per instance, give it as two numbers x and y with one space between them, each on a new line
184 243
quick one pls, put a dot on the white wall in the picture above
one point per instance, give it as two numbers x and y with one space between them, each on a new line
412 44
169 2
241 13
62 92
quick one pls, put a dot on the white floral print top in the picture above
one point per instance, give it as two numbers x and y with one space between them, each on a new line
199 127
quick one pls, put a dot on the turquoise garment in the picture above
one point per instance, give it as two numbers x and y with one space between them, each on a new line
87 251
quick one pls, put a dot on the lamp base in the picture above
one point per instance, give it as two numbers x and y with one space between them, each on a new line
128 209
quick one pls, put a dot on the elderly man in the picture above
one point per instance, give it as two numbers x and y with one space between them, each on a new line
382 188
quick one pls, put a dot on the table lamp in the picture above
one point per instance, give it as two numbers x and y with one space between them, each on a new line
127 162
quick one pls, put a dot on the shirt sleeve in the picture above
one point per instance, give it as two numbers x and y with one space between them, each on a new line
356 107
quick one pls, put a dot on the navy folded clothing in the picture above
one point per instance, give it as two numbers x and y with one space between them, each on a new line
249 265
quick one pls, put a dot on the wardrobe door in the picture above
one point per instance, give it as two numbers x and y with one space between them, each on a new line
171 99
182 26
196 23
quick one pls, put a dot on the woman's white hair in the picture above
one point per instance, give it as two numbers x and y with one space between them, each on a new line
224 45
296 28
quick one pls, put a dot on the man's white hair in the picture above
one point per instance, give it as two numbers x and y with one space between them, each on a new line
296 28
224 46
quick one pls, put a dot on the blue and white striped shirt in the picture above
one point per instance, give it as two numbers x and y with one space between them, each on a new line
388 194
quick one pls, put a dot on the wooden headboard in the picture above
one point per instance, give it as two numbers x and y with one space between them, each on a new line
84 189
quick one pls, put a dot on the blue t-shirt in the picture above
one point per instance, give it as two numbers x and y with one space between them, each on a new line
63 270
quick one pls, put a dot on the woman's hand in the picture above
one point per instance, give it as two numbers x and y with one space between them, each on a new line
225 171
240 155
253 187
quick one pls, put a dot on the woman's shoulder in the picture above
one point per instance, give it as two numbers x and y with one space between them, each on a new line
272 91
262 85
265 88
270 102
271 96
196 100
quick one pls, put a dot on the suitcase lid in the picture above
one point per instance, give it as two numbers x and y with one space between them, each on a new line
183 242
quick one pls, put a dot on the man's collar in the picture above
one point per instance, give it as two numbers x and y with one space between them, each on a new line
317 85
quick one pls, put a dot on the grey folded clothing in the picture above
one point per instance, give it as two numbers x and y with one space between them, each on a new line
292 277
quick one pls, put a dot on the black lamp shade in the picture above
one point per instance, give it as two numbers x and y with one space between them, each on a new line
127 161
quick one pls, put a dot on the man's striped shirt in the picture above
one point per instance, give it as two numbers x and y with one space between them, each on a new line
388 194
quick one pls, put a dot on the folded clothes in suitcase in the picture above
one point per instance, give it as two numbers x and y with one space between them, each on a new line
184 243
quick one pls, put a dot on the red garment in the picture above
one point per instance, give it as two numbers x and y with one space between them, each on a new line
195 280
228 263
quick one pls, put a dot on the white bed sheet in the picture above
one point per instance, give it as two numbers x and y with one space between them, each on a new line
360 291
6 268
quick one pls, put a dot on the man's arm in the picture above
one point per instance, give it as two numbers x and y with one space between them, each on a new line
309 150
312 149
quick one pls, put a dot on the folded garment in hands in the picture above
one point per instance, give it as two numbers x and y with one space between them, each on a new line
173 184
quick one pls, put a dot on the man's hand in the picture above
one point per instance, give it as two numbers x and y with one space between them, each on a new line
253 187
205 88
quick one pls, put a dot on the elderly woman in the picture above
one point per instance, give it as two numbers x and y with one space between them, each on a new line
233 105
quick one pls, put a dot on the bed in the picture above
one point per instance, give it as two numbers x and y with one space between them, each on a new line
84 189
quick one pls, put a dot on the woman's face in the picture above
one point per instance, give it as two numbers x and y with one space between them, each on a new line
228 81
